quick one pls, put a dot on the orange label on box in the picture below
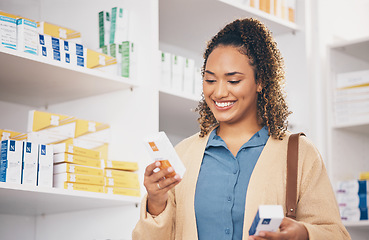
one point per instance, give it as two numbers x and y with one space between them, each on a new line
153 146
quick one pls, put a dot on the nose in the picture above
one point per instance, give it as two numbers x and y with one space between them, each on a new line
221 90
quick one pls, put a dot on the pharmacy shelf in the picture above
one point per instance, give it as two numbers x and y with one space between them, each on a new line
357 225
31 200
356 48
189 24
37 81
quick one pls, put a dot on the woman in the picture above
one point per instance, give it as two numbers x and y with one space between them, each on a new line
238 160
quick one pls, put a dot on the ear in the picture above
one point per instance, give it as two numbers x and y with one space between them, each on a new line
259 88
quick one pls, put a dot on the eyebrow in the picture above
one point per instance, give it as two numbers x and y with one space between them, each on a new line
227 74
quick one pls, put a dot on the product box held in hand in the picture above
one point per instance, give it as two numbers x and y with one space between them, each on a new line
268 218
161 149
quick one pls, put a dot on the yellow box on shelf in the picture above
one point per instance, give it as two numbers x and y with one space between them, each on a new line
122 191
78 178
77 169
87 128
120 174
97 59
103 150
122 182
59 32
364 176
69 148
80 160
121 165
12 135
80 187
51 123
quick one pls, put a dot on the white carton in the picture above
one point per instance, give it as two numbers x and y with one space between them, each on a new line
11 161
27 36
29 165
352 79
129 60
8 32
161 149
104 28
268 218
119 25
189 76
166 71
45 165
177 72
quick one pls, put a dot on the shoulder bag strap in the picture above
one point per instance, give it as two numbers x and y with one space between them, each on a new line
292 169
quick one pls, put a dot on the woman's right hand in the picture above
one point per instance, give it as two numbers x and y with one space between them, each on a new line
157 186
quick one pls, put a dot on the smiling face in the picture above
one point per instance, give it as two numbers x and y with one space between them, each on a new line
229 86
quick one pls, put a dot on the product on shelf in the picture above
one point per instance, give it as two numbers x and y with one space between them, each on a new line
61 178
27 36
77 169
120 165
177 72
11 161
166 71
352 198
284 9
12 135
119 25
122 191
29 163
75 150
104 28
189 76
45 165
128 64
82 187
364 176
59 32
98 60
8 30
351 98
76 159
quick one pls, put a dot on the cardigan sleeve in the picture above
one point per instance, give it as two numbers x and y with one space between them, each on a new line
156 227
317 208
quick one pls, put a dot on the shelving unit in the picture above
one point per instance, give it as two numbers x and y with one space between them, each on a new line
347 143
36 81
21 199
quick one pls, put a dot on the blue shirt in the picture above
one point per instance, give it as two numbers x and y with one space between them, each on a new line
222 184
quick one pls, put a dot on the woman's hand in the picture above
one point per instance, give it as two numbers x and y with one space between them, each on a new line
157 186
289 230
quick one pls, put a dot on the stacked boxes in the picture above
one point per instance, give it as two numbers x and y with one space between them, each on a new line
284 9
46 28
77 168
8 30
351 98
26 163
27 36
114 41
352 198
179 74
121 179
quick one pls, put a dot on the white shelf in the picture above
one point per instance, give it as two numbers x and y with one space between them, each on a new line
36 81
357 48
189 24
358 225
30 200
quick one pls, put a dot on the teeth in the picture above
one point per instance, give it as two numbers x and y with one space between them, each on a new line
223 104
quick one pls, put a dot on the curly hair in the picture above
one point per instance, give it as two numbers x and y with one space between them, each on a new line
253 39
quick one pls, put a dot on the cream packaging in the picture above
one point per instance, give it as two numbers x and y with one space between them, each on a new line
29 165
268 218
11 161
45 165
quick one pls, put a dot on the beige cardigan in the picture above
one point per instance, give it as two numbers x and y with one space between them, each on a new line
317 207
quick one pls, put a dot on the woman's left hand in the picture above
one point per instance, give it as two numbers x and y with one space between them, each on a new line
289 230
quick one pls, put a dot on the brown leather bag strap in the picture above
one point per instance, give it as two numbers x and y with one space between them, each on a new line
292 169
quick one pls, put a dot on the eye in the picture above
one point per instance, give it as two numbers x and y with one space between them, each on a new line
234 81
209 81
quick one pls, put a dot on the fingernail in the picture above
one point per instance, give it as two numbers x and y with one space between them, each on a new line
170 169
157 164
262 234
177 177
